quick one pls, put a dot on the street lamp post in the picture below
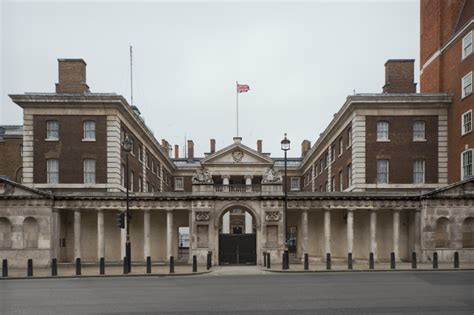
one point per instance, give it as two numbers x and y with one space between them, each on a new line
285 146
127 147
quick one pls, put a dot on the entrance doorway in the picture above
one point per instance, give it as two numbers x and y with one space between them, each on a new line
237 238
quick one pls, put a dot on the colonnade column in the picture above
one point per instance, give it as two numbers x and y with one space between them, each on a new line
123 239
56 237
396 232
327 232
146 234
373 233
191 236
248 183
100 234
350 230
418 231
169 234
304 233
77 234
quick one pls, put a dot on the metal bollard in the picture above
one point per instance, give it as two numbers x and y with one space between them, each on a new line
195 265
392 260
208 266
268 261
78 266
172 264
435 260
287 259
30 268
4 268
328 261
125 265
371 261
54 267
210 259
148 264
283 263
306 261
102 266
349 261
456 260
413 260
264 259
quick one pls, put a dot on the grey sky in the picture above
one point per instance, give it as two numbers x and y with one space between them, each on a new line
301 60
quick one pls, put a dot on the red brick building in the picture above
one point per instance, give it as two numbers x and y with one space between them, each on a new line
447 63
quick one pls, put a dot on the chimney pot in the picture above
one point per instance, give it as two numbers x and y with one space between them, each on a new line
259 146
176 151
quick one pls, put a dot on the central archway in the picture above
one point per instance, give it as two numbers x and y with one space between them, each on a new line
237 236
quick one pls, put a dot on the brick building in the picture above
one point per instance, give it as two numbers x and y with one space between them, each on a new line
447 63
376 181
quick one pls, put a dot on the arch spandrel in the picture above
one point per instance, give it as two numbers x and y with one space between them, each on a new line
237 204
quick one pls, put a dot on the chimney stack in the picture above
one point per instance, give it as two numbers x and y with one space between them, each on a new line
259 146
176 151
399 76
190 150
305 147
213 146
72 76
165 146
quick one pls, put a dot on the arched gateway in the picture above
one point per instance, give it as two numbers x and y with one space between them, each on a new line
237 236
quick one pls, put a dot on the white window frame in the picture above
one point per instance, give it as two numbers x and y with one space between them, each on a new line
333 183
89 171
52 171
50 131
464 123
88 127
140 184
465 87
349 137
349 175
179 183
341 181
122 175
333 152
419 173
383 135
463 165
379 174
295 183
467 45
130 183
341 146
419 135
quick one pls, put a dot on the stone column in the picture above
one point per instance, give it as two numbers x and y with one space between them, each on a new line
373 233
169 234
248 183
191 236
55 235
350 231
100 234
77 234
327 232
304 233
396 233
146 234
418 232
225 182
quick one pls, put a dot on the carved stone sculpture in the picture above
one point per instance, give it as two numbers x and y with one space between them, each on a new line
272 216
202 176
202 215
271 176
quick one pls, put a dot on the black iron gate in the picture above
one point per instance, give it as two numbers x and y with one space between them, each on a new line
237 249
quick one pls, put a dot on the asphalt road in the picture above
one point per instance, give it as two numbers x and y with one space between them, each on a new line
324 293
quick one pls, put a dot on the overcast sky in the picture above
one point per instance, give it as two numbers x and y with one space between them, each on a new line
301 60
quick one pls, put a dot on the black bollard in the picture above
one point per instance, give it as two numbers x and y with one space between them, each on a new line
195 265
208 266
392 260
287 259
306 261
78 266
54 267
456 260
102 266
413 260
125 265
264 259
349 261
328 261
30 268
172 264
435 260
371 261
268 261
4 268
148 264
210 259
283 261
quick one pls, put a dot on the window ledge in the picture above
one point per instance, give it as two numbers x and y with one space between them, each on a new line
88 140
466 133
420 140
465 96
387 140
51 139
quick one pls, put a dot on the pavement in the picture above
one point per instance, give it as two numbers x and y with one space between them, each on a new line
408 292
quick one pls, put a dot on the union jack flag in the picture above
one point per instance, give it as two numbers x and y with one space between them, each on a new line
242 88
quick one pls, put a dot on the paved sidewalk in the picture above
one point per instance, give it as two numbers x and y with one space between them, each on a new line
364 266
69 270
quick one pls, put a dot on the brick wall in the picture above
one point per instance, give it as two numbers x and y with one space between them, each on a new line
10 158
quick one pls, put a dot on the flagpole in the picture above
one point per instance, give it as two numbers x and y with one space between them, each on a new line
237 105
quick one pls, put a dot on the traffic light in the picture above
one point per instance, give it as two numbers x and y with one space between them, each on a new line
121 220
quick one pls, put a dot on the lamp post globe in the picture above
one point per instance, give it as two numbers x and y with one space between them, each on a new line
285 146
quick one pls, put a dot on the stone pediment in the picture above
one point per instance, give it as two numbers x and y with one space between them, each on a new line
462 189
9 188
237 154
